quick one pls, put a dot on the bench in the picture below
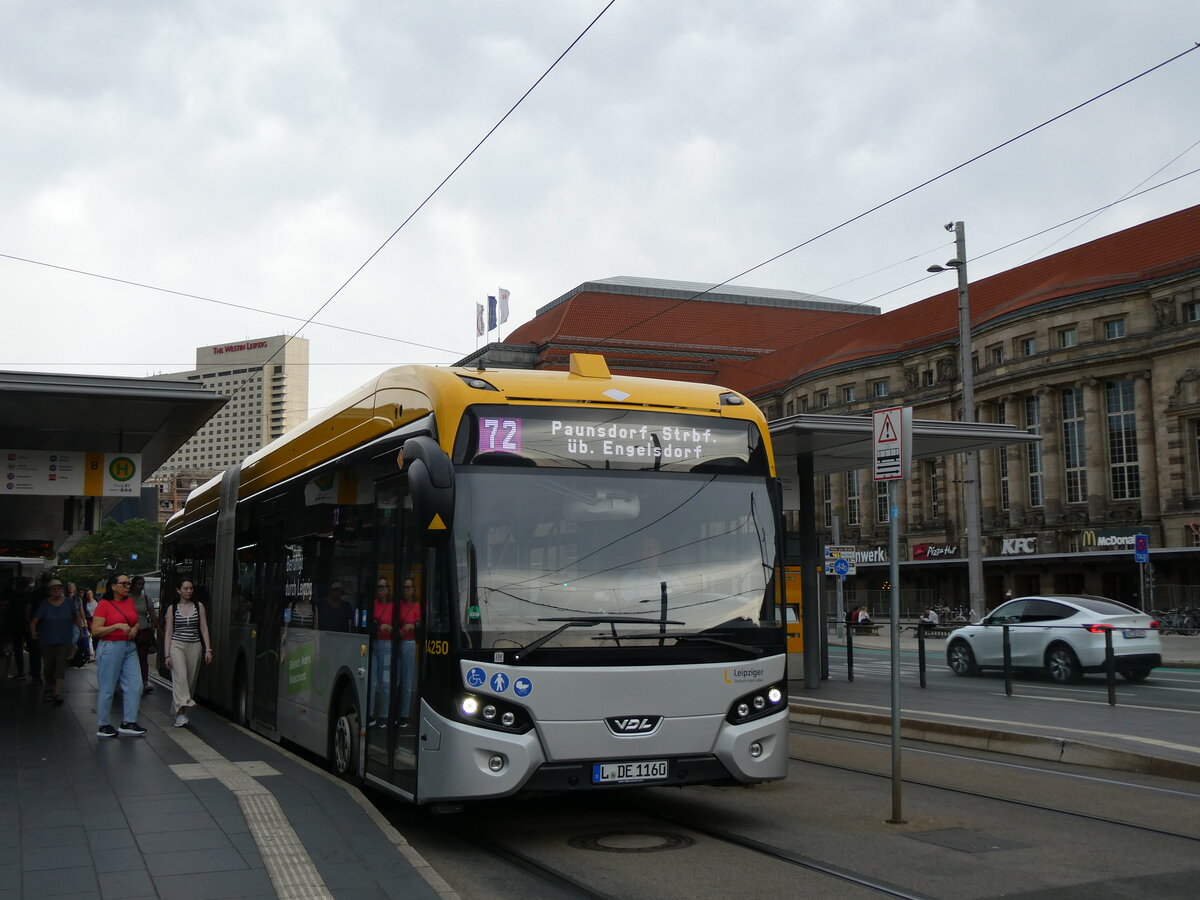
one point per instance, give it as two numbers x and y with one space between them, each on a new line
868 628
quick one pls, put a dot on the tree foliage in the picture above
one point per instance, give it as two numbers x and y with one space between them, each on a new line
130 546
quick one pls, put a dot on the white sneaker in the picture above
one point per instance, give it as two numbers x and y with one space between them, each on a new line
181 720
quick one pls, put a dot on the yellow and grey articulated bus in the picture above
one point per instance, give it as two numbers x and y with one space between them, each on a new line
460 583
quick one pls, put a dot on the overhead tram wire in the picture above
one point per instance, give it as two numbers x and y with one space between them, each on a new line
1165 165
1029 237
434 192
907 192
230 304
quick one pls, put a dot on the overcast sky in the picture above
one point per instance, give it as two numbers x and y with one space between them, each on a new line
257 153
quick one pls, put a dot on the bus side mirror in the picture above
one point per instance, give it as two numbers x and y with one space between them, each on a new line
431 483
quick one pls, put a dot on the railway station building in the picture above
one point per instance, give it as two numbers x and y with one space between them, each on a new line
1093 349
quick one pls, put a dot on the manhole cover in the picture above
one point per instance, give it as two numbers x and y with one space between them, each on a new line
966 840
631 841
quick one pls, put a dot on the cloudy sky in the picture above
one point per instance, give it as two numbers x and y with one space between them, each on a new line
257 153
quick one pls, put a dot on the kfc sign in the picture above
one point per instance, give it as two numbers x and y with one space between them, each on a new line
1022 546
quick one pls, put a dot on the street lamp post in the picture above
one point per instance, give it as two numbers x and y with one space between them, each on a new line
967 371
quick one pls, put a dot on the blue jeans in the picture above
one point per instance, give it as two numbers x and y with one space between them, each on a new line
381 678
117 661
408 676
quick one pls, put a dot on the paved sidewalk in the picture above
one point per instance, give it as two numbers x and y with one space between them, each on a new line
208 811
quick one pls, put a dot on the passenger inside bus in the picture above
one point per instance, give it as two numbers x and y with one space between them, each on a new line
335 613
410 619
383 614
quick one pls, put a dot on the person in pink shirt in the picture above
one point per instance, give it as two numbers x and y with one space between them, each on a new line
383 617
410 620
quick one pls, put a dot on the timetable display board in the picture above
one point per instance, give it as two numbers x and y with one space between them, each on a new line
70 473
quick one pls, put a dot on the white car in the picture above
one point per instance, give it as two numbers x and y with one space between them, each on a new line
1062 634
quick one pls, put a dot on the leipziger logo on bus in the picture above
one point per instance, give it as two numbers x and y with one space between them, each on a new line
744 674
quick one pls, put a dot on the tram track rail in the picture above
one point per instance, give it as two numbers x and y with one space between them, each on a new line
546 874
987 796
475 839
799 860
522 849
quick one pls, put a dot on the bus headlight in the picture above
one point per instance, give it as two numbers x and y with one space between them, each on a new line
492 712
758 704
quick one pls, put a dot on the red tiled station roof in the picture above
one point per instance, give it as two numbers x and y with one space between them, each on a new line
758 345
669 334
1155 249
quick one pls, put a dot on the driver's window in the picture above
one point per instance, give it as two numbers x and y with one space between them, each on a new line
1009 613
1044 611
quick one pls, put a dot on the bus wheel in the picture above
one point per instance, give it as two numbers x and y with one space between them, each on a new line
343 756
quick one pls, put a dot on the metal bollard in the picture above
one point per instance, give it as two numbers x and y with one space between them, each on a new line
849 652
1110 668
921 651
1007 663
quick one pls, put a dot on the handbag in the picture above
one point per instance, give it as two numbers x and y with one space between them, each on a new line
148 638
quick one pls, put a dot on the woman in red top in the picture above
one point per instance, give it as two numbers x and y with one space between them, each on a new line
410 618
114 629
383 614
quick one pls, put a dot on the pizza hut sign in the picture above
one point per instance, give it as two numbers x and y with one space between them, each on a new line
935 551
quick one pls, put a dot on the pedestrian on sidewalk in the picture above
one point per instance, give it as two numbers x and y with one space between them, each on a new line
16 628
185 640
115 627
53 627
40 592
147 639
89 610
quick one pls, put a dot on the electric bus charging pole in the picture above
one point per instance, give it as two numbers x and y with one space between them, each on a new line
891 450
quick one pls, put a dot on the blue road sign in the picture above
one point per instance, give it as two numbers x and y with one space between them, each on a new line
1141 548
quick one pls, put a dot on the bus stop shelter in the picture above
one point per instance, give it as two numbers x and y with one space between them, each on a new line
48 417
808 445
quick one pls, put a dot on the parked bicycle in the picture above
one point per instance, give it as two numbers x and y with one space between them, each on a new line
1181 620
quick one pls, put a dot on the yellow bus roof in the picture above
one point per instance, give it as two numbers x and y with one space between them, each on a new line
407 393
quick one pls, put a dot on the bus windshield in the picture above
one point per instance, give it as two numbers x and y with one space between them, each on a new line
624 552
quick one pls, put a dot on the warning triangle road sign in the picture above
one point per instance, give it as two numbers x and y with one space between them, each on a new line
887 433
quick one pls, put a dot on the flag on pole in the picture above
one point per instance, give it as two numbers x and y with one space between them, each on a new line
478 320
503 305
491 323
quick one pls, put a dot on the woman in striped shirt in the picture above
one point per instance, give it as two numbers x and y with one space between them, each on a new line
186 634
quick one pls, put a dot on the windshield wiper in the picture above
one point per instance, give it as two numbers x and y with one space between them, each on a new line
587 622
691 636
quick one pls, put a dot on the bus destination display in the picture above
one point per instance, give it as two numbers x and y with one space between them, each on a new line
629 442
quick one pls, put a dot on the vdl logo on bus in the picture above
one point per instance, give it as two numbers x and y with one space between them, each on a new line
632 724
